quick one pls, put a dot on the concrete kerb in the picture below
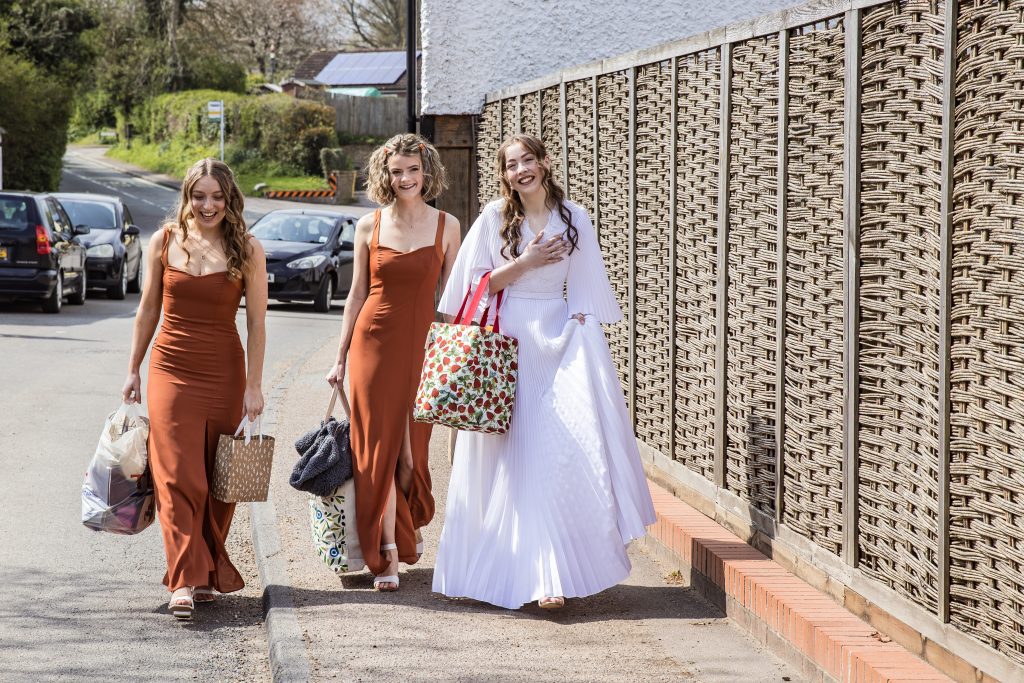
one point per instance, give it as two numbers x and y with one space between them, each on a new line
289 658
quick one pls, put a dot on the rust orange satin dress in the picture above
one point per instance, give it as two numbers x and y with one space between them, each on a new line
385 358
196 384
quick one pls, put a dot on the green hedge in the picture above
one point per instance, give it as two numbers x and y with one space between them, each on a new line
270 128
34 112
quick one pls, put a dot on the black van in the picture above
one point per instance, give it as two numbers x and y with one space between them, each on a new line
40 254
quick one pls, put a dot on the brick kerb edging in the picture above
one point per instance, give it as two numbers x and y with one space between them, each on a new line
839 645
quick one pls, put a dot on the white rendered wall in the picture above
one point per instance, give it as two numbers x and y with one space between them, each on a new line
473 47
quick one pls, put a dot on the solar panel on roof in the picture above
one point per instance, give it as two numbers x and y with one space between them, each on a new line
363 68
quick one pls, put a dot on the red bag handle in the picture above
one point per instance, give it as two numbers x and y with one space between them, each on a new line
465 317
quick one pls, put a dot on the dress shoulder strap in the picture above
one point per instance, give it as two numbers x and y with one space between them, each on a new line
375 240
168 236
439 237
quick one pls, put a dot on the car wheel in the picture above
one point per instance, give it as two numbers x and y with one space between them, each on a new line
135 284
322 303
53 303
119 290
78 298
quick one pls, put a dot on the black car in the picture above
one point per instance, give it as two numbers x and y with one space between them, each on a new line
41 256
309 254
113 250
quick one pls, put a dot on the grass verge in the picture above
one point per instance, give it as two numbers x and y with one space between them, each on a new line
175 158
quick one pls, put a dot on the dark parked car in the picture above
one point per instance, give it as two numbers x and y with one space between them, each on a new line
41 256
113 250
309 254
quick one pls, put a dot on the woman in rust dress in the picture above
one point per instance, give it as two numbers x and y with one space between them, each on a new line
198 267
403 252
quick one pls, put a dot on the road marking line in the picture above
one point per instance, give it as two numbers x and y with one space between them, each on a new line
114 189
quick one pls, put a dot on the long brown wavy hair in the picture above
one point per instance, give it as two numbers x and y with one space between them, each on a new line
233 228
513 213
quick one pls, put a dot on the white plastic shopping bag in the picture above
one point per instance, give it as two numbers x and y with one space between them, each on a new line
117 495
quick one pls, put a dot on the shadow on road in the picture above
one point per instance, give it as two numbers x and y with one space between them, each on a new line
622 602
91 626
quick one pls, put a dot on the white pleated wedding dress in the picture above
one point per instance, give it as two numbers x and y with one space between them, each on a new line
548 508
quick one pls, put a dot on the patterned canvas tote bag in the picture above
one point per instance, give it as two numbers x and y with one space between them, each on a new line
333 523
241 467
469 372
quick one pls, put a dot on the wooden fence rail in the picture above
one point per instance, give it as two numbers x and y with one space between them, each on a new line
813 222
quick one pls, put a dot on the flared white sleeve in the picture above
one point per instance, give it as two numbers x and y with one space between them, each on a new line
479 254
589 291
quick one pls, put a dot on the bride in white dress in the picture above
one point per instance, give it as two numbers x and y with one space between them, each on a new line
545 511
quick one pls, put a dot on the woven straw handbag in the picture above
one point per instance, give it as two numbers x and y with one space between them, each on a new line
241 467
469 371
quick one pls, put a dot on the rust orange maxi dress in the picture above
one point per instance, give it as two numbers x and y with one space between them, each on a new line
196 384
384 363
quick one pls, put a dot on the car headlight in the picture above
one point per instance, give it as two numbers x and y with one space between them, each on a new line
101 250
307 262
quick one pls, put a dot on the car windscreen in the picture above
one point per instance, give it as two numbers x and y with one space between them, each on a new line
15 214
293 228
96 215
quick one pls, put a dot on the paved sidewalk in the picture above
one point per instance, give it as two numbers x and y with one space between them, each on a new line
651 628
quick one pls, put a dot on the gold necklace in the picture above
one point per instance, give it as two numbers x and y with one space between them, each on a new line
206 247
403 226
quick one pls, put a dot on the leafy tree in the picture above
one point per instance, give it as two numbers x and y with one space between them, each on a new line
35 117
49 34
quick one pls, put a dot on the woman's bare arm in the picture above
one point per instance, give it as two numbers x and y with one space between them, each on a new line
256 329
147 316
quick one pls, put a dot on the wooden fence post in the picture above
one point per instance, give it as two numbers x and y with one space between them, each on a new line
564 132
945 297
672 199
851 299
597 164
780 294
722 312
631 296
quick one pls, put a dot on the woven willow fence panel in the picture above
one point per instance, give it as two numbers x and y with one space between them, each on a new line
697 130
580 135
901 145
529 121
750 420
509 118
551 130
653 253
488 140
613 190
814 288
987 329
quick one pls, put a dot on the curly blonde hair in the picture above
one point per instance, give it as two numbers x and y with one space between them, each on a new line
233 229
378 179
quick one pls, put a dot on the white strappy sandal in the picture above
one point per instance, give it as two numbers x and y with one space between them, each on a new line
181 605
378 580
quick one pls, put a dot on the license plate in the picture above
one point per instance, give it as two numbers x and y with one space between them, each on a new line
270 277
3 253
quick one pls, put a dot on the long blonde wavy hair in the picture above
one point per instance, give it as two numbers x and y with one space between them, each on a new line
512 211
233 228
